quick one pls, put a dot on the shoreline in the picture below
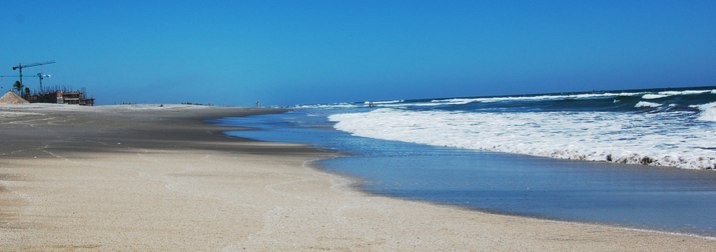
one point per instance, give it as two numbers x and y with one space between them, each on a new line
168 180
619 195
355 184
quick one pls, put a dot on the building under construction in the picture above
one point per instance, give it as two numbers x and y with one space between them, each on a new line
74 97
60 96
48 95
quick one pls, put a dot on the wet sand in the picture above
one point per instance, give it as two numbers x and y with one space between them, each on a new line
151 178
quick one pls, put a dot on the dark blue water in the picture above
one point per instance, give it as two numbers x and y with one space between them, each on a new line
671 99
667 199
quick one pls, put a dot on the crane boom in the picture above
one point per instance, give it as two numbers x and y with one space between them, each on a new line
7 76
20 66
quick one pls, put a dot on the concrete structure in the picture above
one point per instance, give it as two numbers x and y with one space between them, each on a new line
74 97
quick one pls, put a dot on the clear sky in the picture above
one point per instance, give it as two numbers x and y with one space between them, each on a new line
290 52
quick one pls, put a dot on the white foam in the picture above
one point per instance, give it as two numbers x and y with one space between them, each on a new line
653 96
708 111
663 94
645 95
708 115
660 139
704 106
460 101
383 102
536 97
645 104
684 92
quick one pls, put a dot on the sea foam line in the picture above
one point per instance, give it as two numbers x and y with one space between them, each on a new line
658 139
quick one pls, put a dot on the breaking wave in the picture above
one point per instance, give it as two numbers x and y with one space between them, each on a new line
658 139
643 104
708 111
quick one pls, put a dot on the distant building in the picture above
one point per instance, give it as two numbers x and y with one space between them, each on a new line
74 97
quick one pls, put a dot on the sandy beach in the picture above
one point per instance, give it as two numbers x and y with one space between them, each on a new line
150 178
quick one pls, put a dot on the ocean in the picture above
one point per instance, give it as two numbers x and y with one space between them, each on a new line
634 158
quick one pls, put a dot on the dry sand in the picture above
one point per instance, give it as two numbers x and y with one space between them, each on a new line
147 178
12 98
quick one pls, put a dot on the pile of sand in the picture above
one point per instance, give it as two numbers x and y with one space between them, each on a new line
12 98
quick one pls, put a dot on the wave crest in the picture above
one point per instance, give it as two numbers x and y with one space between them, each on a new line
708 111
592 136
645 104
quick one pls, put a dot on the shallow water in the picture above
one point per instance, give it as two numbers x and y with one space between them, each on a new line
668 199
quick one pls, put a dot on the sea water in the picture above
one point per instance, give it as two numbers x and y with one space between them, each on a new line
635 158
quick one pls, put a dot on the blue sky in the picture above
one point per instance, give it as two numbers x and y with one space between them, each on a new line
290 52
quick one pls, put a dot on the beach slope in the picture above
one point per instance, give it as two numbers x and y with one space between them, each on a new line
159 178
